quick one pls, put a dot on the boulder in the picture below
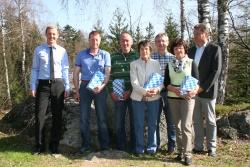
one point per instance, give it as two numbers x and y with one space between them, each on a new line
235 125
21 120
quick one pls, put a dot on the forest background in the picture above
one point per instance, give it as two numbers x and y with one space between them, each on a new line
22 30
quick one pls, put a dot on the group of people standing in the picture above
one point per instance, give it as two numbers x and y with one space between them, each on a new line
49 81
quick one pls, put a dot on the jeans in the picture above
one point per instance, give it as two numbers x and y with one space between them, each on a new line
169 120
86 97
151 108
121 107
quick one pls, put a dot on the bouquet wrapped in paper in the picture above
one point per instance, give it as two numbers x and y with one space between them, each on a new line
155 80
119 87
96 80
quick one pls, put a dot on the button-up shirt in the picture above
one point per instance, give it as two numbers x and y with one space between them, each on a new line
89 64
198 54
41 65
163 60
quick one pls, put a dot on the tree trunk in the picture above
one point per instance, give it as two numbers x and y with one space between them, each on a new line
20 5
23 53
182 18
204 13
5 61
223 39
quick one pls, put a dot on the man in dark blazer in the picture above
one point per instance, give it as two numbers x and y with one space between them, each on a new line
208 58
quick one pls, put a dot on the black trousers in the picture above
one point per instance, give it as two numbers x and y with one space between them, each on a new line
49 91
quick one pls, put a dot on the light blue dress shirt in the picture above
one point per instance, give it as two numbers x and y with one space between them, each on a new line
198 54
41 65
89 64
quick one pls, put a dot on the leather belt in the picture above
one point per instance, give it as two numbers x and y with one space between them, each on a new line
85 81
49 81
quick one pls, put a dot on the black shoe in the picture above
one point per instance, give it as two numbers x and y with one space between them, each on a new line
170 150
83 151
53 148
138 155
179 157
211 153
38 150
198 151
188 161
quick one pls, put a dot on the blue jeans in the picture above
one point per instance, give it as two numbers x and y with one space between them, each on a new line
139 109
86 97
121 107
169 120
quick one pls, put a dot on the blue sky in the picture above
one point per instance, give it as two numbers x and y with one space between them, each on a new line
84 17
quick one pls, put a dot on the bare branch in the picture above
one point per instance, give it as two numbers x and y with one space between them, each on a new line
237 32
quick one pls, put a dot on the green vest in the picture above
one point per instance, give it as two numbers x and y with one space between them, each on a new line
176 78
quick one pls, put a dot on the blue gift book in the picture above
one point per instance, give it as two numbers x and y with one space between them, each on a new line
96 80
119 87
155 80
189 83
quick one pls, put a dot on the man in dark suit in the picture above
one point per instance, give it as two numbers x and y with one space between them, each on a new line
208 58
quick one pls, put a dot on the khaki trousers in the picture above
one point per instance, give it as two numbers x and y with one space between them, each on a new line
182 112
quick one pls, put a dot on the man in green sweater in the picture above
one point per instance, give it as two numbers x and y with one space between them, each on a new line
120 63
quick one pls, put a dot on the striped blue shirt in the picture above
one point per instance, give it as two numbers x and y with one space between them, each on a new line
163 60
41 65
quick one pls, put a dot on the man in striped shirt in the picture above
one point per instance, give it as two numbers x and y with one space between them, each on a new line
163 56
120 70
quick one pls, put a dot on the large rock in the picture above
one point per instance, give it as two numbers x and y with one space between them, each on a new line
21 119
235 125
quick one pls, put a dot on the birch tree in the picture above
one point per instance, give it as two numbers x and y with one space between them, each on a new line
4 54
204 13
223 39
21 12
182 18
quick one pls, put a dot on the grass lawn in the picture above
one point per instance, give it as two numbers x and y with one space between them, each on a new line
16 151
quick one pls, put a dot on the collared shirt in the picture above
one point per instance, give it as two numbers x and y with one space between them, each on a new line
89 64
198 53
41 65
163 60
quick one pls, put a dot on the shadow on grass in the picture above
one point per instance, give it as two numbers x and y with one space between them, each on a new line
159 157
23 144
14 143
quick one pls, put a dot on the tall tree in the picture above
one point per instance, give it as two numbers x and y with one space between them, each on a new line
105 39
138 36
22 9
2 23
70 37
223 39
171 28
182 18
117 26
204 13
150 32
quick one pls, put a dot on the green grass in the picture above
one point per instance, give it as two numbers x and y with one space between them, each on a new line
228 109
15 151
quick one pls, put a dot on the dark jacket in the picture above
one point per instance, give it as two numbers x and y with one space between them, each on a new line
209 69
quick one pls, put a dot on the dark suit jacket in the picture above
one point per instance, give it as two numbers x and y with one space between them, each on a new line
209 69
